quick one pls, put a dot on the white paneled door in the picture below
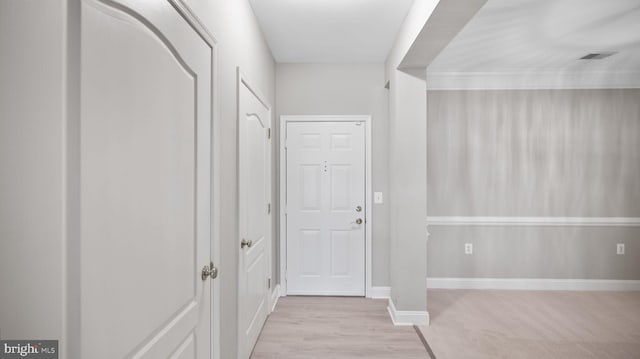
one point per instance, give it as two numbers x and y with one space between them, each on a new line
325 208
254 118
145 177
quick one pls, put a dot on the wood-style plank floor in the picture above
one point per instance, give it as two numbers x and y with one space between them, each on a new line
335 328
478 324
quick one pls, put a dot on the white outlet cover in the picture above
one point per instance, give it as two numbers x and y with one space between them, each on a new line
620 248
377 197
468 248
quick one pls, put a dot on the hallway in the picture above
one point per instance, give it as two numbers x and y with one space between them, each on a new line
335 327
175 173
470 324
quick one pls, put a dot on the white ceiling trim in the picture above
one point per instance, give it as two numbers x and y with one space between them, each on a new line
532 80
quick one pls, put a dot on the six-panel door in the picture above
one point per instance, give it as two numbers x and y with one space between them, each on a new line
325 208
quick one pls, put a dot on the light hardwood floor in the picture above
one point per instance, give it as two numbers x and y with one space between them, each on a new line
335 328
533 324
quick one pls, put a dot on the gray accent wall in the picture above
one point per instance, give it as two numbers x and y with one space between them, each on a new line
346 89
534 153
549 252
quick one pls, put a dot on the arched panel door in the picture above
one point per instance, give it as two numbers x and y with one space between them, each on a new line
145 199
254 209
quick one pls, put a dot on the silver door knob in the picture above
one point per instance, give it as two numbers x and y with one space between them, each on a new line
358 209
209 272
246 243
359 221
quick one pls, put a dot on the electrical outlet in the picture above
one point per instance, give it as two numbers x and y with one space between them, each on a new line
620 248
468 248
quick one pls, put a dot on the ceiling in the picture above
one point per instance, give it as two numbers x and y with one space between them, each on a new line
546 35
330 31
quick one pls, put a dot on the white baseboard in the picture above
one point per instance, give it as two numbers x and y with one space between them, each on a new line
534 284
358 293
407 317
275 295
380 293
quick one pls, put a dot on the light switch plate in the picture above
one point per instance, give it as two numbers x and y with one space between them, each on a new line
377 197
468 248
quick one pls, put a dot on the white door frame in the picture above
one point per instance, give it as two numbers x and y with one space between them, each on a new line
242 80
283 190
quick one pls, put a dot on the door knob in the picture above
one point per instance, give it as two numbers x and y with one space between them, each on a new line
359 221
209 271
358 209
246 243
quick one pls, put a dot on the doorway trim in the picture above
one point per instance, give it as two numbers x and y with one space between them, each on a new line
284 120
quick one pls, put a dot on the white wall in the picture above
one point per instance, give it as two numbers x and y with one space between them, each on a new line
408 168
408 191
33 153
346 89
240 43
31 169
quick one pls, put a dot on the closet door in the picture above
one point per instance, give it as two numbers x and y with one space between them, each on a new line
145 224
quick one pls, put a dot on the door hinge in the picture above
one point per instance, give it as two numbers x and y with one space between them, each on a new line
268 133
268 207
269 283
